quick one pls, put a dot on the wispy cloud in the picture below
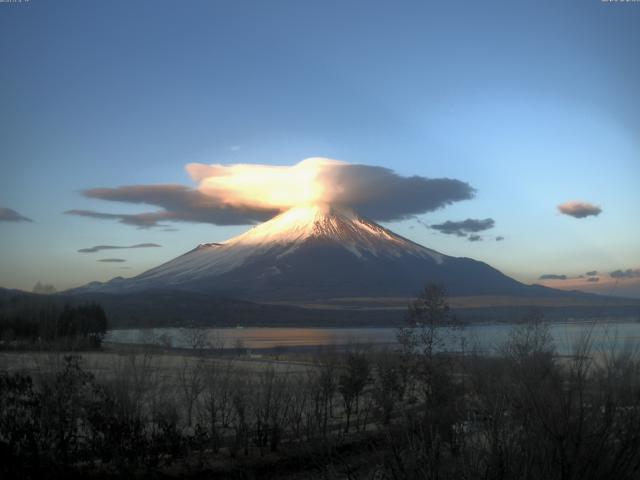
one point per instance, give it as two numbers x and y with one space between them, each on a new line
112 260
625 274
593 279
591 273
9 215
578 209
475 238
464 227
552 276
99 248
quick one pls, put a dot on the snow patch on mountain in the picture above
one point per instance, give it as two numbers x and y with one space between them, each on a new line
281 236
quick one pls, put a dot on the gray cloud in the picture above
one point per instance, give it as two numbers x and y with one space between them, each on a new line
591 273
375 192
112 260
381 194
624 274
464 227
579 209
593 279
8 215
178 203
552 276
475 238
499 238
98 248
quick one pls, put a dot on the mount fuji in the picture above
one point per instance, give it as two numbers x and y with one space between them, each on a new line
313 252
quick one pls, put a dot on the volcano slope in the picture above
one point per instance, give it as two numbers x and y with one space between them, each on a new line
319 253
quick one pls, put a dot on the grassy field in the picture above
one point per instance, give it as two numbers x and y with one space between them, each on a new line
166 363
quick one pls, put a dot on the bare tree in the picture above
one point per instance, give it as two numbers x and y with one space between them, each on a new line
352 381
194 337
270 404
240 422
389 384
191 384
426 317
217 401
216 341
324 385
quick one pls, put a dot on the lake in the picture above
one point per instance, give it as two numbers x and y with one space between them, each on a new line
486 337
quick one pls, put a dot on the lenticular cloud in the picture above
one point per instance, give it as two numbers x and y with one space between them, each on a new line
375 192
245 193
579 209
265 186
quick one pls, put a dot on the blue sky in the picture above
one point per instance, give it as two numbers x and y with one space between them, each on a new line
532 103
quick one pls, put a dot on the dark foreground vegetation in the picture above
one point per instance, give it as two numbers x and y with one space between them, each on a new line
50 326
521 412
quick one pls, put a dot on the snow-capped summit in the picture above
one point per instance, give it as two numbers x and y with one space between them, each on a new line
329 223
317 251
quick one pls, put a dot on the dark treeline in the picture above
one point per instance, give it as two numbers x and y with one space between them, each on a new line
52 326
520 412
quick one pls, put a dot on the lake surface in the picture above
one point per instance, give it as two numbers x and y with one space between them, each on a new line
486 337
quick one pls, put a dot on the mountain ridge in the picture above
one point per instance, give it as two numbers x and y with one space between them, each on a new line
319 251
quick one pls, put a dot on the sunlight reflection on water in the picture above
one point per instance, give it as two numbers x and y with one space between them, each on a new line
604 335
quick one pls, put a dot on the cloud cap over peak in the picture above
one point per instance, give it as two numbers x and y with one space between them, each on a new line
242 194
375 192
579 209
